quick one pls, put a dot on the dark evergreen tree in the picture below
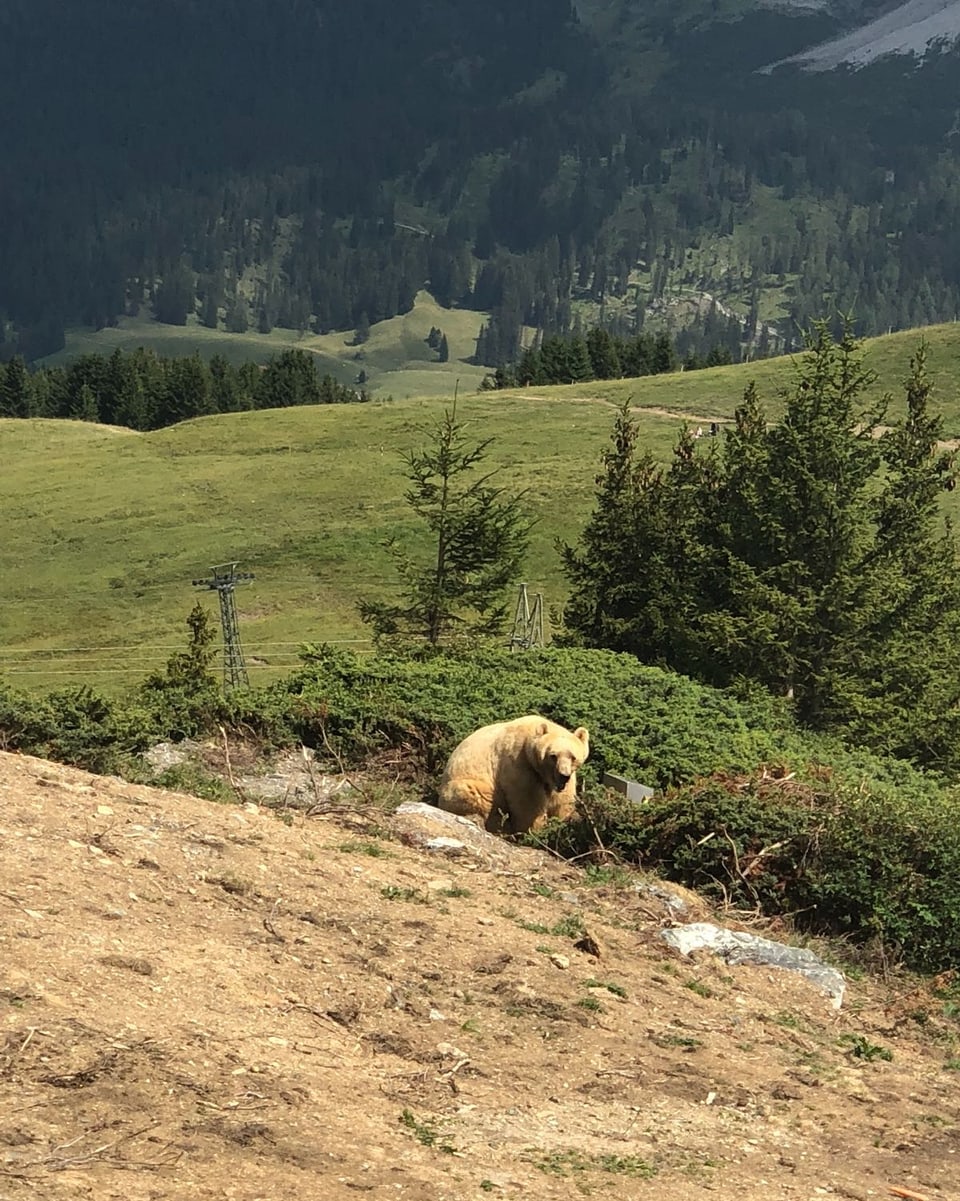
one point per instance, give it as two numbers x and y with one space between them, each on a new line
15 389
807 555
175 296
478 538
237 320
362 332
86 407
604 359
290 378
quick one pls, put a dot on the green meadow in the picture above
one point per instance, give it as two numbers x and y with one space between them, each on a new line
396 358
106 528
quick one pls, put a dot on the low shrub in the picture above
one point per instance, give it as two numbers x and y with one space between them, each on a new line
662 727
859 858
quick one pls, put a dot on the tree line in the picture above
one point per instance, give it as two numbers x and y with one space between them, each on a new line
809 558
600 354
144 391
536 185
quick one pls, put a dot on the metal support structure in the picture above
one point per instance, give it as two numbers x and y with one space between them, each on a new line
527 630
225 578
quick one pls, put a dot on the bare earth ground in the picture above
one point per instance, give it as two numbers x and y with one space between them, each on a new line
205 1001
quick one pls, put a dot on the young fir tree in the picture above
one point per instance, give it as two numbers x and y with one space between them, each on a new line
478 538
633 574
15 399
910 650
807 555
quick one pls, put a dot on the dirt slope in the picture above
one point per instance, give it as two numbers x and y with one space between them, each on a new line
202 1001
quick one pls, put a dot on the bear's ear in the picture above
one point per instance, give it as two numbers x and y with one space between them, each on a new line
584 735
542 729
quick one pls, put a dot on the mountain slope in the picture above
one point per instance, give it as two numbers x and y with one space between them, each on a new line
313 167
910 29
201 1000
106 528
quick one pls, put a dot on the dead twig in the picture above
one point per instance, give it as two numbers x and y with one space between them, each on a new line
227 763
62 1163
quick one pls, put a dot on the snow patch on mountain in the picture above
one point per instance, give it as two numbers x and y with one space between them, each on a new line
910 29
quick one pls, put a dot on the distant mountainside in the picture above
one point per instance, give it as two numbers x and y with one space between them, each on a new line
911 28
312 165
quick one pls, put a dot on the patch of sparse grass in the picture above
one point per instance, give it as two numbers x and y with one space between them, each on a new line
952 1064
684 1041
195 780
789 1021
570 926
860 1047
455 891
362 847
613 875
231 883
573 1163
617 989
534 927
698 986
814 1063
543 890
391 892
425 1134
592 1003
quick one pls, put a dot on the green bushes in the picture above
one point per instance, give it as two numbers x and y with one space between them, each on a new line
856 857
76 726
661 727
752 811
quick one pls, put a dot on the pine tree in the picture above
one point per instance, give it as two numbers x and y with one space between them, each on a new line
808 556
175 296
362 332
478 540
86 407
15 390
604 360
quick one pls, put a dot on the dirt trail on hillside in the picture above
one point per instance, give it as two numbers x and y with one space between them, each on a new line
205 1001
694 418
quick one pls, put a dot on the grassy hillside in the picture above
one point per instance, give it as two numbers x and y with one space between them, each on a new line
715 393
106 528
396 357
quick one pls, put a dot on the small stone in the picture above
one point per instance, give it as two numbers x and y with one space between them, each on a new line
560 961
449 1051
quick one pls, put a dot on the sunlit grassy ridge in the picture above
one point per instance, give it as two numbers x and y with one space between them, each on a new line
396 358
105 529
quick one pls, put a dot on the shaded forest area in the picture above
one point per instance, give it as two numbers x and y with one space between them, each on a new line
312 165
144 391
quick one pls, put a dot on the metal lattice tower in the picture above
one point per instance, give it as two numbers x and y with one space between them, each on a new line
527 630
225 578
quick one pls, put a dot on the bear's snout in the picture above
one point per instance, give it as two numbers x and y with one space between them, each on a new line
563 779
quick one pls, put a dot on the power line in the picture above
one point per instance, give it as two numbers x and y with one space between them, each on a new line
70 650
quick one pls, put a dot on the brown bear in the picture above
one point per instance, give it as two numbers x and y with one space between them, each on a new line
511 776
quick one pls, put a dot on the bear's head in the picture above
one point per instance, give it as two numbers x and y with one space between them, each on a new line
560 752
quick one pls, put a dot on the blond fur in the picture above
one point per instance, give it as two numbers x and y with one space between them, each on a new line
511 776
